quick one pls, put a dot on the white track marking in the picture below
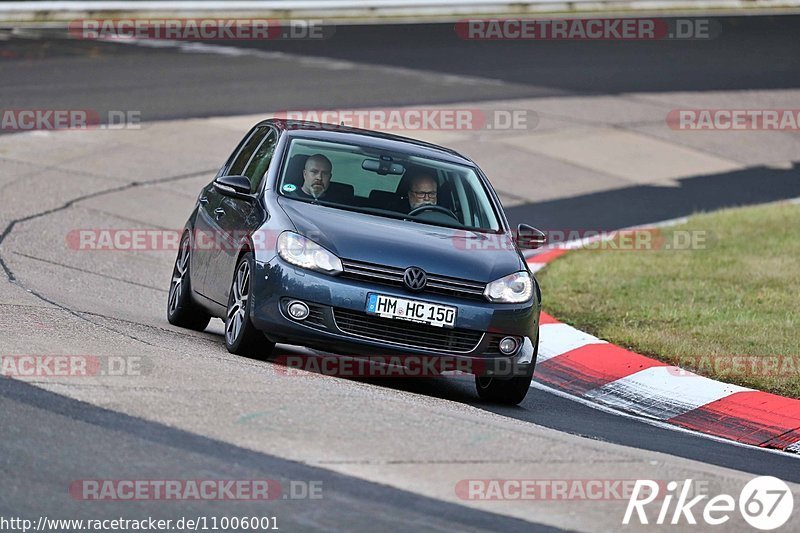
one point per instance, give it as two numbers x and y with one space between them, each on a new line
664 425
557 339
662 392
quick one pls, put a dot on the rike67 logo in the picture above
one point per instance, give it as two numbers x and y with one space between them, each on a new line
765 503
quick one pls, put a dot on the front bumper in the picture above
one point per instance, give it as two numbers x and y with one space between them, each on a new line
479 324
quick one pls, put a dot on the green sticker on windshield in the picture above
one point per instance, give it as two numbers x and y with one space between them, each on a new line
289 187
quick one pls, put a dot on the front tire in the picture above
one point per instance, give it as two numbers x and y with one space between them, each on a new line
181 310
241 337
505 391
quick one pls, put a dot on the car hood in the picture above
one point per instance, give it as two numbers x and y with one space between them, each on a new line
399 243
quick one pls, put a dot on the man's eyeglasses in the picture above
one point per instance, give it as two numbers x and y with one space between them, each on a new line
429 195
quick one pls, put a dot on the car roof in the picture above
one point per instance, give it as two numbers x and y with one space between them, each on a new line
373 139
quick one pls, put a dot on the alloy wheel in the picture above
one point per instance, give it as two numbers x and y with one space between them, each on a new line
237 313
179 276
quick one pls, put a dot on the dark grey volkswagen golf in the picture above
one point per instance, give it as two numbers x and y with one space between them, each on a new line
360 243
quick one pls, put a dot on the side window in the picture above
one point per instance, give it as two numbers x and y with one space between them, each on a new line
259 163
239 164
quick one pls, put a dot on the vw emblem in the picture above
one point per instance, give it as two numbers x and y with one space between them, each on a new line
415 278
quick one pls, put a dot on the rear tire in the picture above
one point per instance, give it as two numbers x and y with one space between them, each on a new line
241 337
505 391
181 310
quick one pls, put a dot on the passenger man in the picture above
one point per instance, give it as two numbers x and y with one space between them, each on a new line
316 177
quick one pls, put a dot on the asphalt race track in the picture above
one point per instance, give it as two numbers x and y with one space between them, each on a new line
387 452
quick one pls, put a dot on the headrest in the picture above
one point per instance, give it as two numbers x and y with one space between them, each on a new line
385 200
294 170
340 192
341 188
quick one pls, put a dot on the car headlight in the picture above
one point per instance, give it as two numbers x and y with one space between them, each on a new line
305 253
513 289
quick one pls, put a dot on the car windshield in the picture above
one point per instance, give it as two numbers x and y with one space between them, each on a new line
394 185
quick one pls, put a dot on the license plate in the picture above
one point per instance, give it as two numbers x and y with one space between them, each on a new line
413 310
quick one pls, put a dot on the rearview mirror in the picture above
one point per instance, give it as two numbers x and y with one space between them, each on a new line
530 238
233 185
382 167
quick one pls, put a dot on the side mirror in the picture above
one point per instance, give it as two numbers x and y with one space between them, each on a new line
530 238
235 186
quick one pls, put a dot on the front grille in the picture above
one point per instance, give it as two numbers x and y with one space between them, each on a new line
409 334
316 316
393 276
493 346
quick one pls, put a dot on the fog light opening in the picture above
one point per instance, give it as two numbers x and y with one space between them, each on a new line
297 310
508 345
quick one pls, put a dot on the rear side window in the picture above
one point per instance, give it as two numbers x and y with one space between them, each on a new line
259 162
247 151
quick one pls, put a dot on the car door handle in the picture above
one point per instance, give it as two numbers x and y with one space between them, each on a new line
219 213
203 200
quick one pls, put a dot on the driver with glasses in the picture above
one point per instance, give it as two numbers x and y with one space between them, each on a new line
422 191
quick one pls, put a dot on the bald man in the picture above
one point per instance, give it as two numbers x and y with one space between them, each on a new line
316 177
